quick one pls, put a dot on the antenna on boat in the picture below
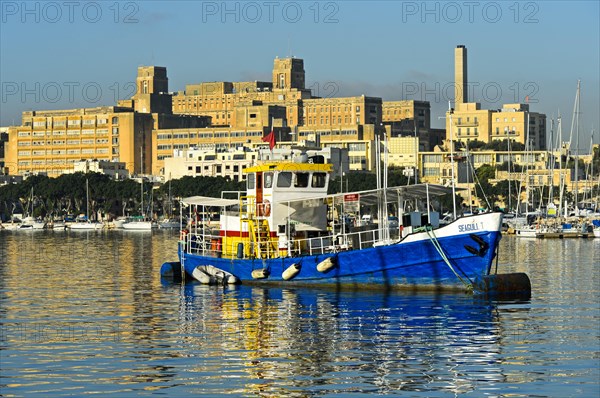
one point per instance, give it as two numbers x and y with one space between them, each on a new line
450 112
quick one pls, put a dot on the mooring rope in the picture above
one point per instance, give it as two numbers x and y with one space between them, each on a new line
439 249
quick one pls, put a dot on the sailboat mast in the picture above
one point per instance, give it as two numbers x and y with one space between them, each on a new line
87 199
31 202
577 148
142 196
468 178
561 181
551 158
528 157
142 181
575 126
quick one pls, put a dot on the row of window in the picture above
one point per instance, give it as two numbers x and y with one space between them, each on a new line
467 131
314 109
287 179
325 120
217 168
328 132
115 131
71 122
220 134
88 141
66 151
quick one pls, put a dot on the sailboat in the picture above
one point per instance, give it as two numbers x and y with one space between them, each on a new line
170 222
29 222
140 223
84 223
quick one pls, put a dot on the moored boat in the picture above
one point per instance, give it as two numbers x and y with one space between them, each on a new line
85 225
139 224
32 223
169 223
278 232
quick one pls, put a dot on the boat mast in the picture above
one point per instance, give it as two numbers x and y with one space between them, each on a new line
577 148
575 126
561 179
528 157
551 157
468 179
87 200
509 158
142 181
450 112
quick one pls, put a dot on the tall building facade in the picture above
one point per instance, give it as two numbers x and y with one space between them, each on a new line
53 141
469 122
147 128
239 111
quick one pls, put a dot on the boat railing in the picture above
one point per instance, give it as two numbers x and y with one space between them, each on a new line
210 244
333 243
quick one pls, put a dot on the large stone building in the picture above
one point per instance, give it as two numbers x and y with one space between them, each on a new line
52 141
469 122
243 112
145 129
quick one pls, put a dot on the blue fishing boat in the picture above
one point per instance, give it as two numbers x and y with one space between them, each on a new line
286 230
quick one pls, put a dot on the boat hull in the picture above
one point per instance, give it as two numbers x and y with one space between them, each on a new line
413 262
85 226
139 226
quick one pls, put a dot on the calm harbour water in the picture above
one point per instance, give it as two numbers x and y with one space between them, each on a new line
87 313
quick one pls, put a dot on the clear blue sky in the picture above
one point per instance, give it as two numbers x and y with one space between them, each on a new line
57 55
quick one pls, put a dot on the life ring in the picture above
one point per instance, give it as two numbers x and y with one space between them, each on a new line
264 208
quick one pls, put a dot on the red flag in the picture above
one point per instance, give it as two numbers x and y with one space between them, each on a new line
270 138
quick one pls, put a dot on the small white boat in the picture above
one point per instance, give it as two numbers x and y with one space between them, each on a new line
139 225
13 225
86 226
169 223
597 232
57 225
526 231
119 221
32 223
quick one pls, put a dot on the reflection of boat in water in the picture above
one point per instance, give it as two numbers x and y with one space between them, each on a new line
277 232
288 341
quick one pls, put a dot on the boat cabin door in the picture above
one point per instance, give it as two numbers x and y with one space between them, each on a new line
259 187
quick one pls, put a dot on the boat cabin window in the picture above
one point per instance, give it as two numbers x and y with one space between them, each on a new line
251 179
268 180
301 180
318 180
284 179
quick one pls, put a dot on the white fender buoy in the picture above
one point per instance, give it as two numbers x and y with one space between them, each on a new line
202 277
291 272
210 275
261 273
326 264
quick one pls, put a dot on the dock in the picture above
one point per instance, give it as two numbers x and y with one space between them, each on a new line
563 235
